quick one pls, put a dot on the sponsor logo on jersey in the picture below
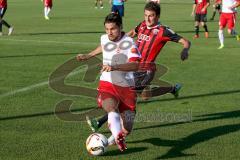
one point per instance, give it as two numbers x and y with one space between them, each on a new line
143 37
155 31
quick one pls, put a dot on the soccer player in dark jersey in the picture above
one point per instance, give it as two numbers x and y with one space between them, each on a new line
3 9
200 11
151 38
216 8
48 4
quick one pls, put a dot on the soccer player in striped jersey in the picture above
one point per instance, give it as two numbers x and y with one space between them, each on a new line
200 12
3 9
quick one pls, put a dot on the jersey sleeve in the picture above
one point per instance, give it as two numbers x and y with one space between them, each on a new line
171 35
138 27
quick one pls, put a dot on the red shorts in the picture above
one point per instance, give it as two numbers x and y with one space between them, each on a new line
227 19
125 96
48 3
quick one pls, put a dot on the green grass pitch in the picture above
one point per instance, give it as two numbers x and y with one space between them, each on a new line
209 100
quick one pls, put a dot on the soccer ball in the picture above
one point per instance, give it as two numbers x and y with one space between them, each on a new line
96 144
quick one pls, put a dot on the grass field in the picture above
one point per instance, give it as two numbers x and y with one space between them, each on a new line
203 123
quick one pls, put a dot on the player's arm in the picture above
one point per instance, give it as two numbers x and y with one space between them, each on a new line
186 46
174 37
127 67
206 6
237 4
132 33
95 52
194 8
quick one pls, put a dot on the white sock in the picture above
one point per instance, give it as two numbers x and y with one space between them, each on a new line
220 36
114 123
45 11
48 10
111 140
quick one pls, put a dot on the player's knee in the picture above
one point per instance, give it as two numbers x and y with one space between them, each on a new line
126 131
229 31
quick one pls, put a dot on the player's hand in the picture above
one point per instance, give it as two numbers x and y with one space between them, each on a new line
192 14
82 57
106 68
203 10
231 7
184 54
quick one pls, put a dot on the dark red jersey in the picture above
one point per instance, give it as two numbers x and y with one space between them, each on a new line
3 3
48 3
200 4
150 41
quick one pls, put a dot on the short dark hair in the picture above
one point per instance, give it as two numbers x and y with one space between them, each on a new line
152 6
113 18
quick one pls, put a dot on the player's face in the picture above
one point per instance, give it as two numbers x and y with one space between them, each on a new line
113 31
151 18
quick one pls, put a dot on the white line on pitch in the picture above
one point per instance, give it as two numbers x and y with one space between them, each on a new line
38 41
39 84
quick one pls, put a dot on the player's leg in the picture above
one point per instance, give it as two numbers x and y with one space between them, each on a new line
95 124
231 26
114 9
197 21
108 99
127 108
47 8
214 12
46 13
143 81
3 22
121 10
96 4
110 105
221 37
101 4
127 120
204 24
1 15
222 25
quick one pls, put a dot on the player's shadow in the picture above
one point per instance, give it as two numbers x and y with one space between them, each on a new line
156 99
128 151
179 146
24 116
200 118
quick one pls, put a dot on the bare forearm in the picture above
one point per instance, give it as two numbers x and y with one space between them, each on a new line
185 43
194 7
128 67
95 52
131 33
206 6
133 66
